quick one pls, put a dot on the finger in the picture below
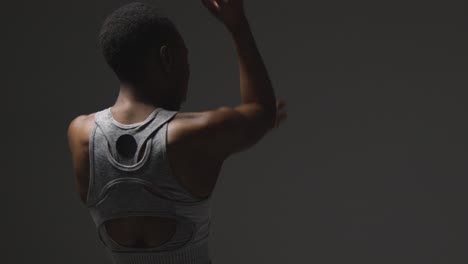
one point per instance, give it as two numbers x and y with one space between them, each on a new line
211 5
280 108
216 4
220 3
280 103
280 119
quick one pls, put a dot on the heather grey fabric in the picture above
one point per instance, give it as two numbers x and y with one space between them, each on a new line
123 185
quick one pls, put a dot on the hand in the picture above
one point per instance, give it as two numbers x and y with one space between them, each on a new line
229 12
281 116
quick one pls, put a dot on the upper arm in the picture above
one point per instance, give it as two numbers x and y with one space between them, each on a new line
78 139
227 130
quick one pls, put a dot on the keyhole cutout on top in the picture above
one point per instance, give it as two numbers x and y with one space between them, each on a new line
126 146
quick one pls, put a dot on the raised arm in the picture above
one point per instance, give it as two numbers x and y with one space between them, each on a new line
225 130
255 84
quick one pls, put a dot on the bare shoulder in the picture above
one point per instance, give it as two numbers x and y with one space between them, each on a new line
80 128
188 127
199 132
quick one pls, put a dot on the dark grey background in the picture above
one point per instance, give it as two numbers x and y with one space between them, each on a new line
370 167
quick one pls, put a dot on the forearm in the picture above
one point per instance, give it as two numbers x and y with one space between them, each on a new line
255 83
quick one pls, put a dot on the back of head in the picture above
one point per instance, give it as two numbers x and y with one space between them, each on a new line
129 34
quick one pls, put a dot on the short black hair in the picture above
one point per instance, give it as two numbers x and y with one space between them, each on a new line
128 34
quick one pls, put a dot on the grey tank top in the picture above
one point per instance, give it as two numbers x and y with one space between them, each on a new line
130 175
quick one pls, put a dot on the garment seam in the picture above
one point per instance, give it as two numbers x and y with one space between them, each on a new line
134 125
91 162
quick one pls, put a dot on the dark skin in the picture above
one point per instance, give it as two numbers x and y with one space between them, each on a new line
194 158
133 106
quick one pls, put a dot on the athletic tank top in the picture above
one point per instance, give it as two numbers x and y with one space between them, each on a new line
130 175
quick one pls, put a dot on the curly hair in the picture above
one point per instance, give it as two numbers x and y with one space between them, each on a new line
129 33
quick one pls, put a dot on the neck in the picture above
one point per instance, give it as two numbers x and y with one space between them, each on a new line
149 97
131 96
